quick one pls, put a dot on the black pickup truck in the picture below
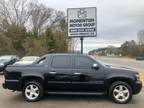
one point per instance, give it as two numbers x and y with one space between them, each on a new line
72 73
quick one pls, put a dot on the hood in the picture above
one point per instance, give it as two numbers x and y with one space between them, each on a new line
119 67
23 63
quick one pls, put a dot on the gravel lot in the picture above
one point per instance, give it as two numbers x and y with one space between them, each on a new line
9 99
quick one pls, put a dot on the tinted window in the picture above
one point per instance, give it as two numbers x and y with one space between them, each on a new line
61 61
83 62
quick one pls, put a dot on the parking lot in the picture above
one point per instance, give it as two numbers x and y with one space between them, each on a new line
132 63
9 99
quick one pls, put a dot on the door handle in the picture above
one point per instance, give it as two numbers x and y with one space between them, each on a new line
77 73
53 72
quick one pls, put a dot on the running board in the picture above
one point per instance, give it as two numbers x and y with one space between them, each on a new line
77 93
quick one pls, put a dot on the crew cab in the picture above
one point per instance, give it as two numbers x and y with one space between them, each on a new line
72 74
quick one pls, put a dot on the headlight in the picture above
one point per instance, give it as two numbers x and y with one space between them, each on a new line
137 76
1 64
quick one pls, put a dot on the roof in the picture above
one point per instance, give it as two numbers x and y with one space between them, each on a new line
7 55
63 54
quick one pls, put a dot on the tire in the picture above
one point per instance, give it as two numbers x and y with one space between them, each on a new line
120 92
33 91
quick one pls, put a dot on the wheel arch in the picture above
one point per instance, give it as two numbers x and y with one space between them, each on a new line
109 81
28 78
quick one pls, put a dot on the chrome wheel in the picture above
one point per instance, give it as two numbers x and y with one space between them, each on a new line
121 93
32 92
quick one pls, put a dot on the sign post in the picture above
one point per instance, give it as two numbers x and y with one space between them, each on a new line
82 22
81 38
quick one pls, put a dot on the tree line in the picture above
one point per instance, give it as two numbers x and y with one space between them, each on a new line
132 49
128 48
30 28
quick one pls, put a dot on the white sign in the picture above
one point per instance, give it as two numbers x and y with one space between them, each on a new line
82 22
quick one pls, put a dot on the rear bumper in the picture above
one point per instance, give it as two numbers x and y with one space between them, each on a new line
4 86
137 87
1 68
12 85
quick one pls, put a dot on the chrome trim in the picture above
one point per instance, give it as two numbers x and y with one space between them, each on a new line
72 82
11 80
76 93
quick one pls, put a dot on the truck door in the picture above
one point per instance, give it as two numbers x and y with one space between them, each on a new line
59 74
86 78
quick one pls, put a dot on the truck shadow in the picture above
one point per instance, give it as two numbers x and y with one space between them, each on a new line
60 98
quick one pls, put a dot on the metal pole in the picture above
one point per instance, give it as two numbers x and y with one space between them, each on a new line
81 38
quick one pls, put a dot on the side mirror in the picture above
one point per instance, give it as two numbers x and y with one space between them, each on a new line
95 66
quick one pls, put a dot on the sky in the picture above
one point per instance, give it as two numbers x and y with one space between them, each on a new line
117 20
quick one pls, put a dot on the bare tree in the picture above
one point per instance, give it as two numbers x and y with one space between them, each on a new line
56 19
73 44
14 12
140 37
40 17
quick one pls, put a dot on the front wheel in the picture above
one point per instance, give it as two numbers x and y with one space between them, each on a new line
120 92
33 91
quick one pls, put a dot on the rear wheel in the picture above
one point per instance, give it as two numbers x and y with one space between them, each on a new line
33 91
120 92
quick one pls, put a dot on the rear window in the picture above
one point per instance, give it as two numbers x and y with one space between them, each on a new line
61 61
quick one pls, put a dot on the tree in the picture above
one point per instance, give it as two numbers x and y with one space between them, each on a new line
29 28
61 42
129 48
140 37
14 12
34 45
17 35
40 17
50 40
6 45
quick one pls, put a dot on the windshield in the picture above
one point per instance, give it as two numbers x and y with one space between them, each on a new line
5 58
97 60
29 58
100 62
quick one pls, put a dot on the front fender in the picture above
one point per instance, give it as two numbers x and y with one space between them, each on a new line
112 78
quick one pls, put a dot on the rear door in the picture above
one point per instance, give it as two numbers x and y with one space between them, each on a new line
59 73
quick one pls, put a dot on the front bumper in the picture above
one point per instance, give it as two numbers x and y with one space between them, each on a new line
12 85
137 87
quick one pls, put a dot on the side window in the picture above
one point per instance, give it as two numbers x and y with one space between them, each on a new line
83 62
61 61
41 61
